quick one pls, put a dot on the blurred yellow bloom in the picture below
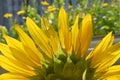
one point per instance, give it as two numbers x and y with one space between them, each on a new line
51 8
105 4
8 15
20 12
45 3
48 55
70 6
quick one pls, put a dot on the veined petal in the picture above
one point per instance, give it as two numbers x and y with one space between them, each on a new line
11 67
29 45
5 50
115 77
85 34
64 33
7 53
75 30
62 25
39 37
11 76
50 33
54 44
18 51
112 71
103 45
107 58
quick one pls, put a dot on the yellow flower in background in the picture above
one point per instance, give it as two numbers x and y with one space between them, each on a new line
105 4
8 15
70 6
51 8
20 12
46 55
44 3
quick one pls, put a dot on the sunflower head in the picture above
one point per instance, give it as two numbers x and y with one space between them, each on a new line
105 4
48 55
8 15
51 8
20 12
44 3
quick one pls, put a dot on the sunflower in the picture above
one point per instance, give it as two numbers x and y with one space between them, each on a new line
48 55
105 4
20 12
44 3
7 15
51 8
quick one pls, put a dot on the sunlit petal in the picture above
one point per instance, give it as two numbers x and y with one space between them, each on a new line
10 76
75 30
51 34
112 71
18 51
86 34
63 29
10 66
39 37
36 55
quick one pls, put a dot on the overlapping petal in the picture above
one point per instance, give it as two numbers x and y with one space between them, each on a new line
85 34
5 50
105 55
103 45
108 58
19 52
39 37
27 43
75 36
11 76
113 71
13 67
50 33
64 32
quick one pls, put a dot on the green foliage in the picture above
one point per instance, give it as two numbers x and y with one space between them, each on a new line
106 18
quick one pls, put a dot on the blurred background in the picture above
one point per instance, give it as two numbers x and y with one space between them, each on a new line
106 13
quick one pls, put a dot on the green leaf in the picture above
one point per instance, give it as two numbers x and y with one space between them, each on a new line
90 74
52 77
58 66
79 69
68 68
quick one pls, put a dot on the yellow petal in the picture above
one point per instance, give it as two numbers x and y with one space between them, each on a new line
64 33
62 25
29 45
108 58
12 67
85 34
7 53
44 3
11 76
112 71
47 28
103 45
75 31
50 33
5 50
51 8
20 12
18 51
39 37
8 15
116 77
